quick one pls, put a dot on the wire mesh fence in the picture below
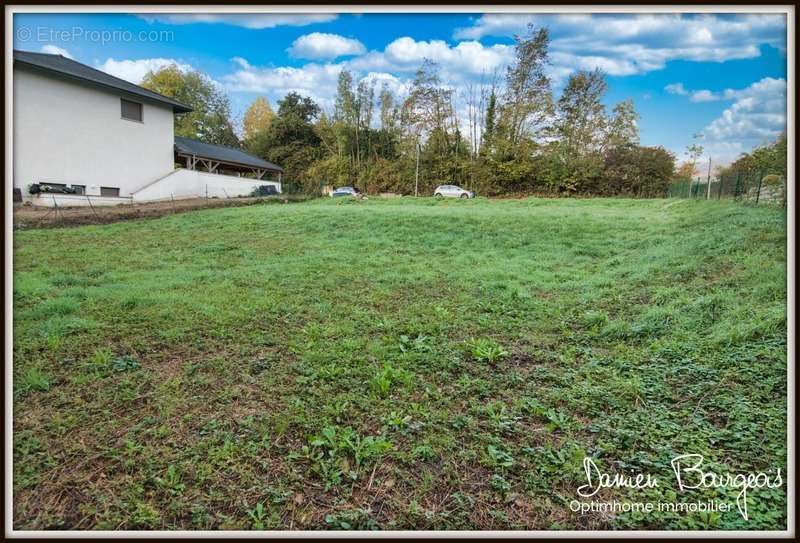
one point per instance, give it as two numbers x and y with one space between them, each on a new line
744 186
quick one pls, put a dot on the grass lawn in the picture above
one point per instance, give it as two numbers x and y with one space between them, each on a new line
397 364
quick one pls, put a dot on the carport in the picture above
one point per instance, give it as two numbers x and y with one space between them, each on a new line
218 159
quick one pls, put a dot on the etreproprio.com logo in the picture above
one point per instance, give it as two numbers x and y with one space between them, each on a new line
45 34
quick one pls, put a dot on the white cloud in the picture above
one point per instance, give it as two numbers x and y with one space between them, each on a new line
623 44
461 62
318 45
317 81
467 61
135 70
676 88
756 116
703 96
51 49
246 20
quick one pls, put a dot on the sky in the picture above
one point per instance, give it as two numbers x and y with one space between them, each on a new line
715 79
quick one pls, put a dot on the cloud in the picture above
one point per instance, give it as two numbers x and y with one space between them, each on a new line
461 62
676 88
622 44
318 81
135 70
245 20
395 65
51 49
703 96
318 45
756 116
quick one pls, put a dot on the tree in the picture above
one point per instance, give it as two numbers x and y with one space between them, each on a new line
491 113
292 141
581 122
634 170
210 121
257 118
622 128
527 103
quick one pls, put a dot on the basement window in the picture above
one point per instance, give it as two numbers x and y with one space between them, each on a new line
109 191
79 189
131 111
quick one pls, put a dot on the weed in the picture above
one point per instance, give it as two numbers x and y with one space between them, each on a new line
485 350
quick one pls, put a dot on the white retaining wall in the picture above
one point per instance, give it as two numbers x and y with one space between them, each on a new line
193 184
75 200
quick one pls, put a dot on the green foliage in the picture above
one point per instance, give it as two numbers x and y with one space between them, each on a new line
210 121
291 142
485 350
637 171
767 159
125 363
33 379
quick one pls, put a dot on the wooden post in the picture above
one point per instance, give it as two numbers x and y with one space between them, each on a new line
91 206
760 179
416 175
708 180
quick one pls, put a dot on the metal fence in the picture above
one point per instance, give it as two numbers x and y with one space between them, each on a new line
751 187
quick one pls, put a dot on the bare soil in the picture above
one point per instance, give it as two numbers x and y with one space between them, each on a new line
26 216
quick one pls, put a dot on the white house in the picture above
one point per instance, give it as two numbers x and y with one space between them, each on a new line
82 136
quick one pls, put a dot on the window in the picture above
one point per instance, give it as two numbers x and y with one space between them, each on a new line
109 191
79 189
131 110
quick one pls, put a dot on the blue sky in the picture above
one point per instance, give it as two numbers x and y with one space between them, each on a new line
719 75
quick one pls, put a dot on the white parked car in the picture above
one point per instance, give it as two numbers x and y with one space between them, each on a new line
452 191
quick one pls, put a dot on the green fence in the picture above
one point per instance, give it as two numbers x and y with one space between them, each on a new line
751 187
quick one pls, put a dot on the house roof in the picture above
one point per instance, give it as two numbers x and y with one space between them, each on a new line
69 69
221 153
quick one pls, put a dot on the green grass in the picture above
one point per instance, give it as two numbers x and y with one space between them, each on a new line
396 364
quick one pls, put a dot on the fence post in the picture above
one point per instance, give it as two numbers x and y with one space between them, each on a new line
719 190
758 193
91 206
736 188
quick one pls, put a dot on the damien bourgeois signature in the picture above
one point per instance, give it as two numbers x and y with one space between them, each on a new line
689 475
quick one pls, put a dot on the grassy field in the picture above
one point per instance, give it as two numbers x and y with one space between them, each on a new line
397 364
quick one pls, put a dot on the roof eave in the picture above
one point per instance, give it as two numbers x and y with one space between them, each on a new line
176 106
273 168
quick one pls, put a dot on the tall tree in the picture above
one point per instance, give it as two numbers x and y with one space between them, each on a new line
388 109
527 103
491 114
291 141
257 118
582 122
210 121
622 127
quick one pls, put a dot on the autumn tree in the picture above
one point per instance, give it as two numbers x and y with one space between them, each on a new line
257 118
210 121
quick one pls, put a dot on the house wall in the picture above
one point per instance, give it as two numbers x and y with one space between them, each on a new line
66 132
193 183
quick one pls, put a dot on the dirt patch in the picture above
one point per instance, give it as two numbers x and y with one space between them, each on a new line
26 217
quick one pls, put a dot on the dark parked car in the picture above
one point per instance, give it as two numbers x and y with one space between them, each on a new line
345 191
